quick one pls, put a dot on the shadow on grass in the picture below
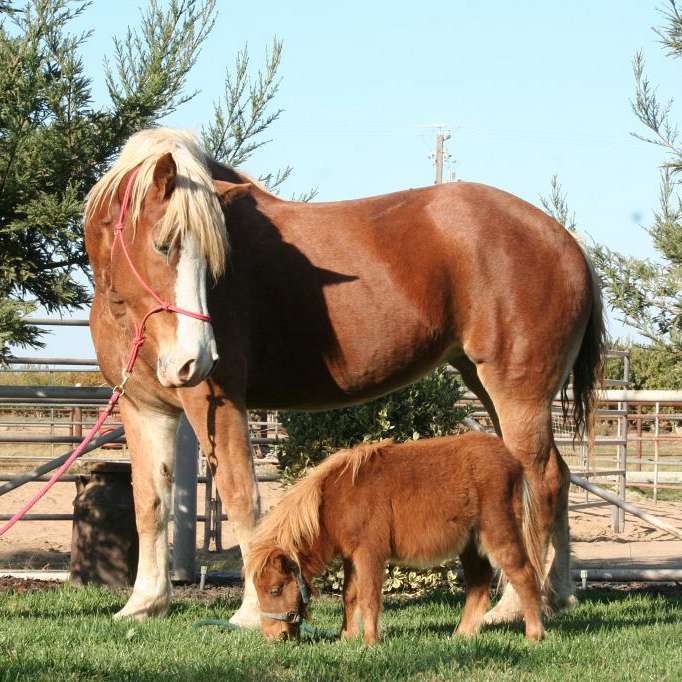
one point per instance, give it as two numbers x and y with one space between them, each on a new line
416 643
578 620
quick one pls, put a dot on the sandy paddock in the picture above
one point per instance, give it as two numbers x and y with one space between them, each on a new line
37 544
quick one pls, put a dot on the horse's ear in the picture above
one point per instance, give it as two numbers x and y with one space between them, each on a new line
165 173
229 191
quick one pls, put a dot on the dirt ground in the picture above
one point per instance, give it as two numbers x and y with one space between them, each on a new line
45 545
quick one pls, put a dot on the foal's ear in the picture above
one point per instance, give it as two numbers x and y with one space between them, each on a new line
165 173
281 562
229 191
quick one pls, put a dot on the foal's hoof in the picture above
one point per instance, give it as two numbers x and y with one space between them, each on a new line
466 632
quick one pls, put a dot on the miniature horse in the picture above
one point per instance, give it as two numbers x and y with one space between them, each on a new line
418 503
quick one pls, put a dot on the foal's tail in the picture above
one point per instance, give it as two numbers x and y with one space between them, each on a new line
588 365
530 531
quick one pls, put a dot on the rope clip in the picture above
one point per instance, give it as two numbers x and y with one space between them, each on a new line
121 388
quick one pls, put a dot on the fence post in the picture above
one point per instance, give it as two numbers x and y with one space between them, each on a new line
618 521
657 432
185 503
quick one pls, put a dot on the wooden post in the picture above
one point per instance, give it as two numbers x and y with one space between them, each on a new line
76 429
185 504
640 408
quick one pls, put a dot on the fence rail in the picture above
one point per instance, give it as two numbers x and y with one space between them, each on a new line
628 423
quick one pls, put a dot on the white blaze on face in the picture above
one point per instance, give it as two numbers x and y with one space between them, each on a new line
195 352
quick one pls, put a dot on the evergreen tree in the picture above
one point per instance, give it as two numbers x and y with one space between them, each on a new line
55 144
648 293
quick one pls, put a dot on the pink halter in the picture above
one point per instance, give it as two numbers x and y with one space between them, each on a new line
139 339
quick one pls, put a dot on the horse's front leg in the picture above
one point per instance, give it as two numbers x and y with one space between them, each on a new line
222 429
151 441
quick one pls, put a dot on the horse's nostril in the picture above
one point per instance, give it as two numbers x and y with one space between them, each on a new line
187 370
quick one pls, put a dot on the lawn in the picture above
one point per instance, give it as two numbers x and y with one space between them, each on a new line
67 634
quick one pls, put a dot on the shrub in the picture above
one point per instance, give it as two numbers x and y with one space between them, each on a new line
415 581
424 409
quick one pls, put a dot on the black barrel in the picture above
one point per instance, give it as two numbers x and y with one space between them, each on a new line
104 545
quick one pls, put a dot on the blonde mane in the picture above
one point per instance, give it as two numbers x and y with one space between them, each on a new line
193 205
294 524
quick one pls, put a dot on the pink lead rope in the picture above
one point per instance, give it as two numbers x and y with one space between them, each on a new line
138 342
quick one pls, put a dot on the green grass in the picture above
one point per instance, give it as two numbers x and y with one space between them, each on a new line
67 634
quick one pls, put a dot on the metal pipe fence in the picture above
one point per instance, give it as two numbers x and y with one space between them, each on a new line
637 441
57 415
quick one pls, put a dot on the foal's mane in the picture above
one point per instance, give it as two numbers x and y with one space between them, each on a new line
193 205
293 525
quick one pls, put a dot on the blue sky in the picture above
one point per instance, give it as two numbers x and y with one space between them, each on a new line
528 89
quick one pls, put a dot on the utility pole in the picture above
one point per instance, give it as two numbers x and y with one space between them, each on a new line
440 155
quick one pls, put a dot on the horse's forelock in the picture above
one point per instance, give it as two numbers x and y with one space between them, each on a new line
193 205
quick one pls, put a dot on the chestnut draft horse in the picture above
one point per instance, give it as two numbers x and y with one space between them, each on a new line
418 503
319 305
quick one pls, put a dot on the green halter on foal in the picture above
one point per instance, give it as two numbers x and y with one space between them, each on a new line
292 617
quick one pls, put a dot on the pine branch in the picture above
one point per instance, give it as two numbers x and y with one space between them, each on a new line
557 206
243 114
151 64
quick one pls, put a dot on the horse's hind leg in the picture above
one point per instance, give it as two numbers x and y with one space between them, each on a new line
221 424
527 431
477 575
151 443
525 421
467 370
561 585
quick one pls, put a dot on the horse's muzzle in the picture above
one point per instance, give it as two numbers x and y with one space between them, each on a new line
186 370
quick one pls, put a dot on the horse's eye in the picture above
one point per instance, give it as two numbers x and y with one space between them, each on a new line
162 249
276 591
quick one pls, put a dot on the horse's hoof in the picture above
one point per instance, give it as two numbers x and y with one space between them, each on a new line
507 610
140 608
247 617
536 635
125 614
558 604
502 615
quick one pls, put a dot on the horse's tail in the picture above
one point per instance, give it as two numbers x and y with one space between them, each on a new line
531 533
589 363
